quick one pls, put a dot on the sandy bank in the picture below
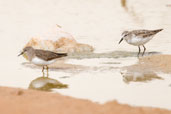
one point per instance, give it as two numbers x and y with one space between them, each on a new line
147 68
158 63
19 101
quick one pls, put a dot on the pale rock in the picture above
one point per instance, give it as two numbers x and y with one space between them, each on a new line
59 41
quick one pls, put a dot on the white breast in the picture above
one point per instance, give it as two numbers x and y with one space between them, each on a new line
138 40
41 62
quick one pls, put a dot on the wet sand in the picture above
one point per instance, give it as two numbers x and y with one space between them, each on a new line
157 63
19 101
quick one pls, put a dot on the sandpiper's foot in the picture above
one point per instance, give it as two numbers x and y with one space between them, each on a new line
43 71
144 50
47 68
139 51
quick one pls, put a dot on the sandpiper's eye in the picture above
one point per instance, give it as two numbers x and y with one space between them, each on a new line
24 51
125 35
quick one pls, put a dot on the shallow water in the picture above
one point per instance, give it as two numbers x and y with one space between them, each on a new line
98 23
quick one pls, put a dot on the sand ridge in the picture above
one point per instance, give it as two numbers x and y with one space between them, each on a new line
20 101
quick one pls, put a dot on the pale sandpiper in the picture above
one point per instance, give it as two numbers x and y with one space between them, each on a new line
139 37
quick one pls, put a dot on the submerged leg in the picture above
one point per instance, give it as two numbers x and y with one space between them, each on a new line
139 50
43 71
144 50
47 68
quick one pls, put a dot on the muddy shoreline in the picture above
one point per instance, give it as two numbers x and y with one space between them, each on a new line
21 101
147 68
157 63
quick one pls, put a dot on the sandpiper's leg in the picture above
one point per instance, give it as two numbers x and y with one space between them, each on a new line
43 71
144 50
47 71
139 50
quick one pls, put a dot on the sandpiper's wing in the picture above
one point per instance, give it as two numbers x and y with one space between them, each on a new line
48 55
145 33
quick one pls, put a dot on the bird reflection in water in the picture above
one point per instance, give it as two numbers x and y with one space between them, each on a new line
139 76
46 84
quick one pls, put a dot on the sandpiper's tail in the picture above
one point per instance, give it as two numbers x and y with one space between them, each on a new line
158 30
61 54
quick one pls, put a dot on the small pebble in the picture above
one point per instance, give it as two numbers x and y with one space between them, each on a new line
20 92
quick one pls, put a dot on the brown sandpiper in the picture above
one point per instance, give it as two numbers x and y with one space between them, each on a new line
41 57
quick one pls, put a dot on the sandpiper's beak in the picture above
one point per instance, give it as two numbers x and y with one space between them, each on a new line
21 53
121 40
